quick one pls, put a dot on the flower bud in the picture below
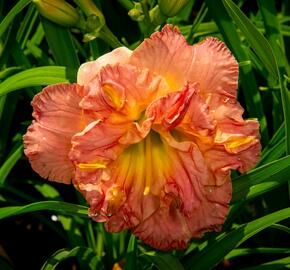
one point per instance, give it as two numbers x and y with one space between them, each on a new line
136 13
58 11
170 8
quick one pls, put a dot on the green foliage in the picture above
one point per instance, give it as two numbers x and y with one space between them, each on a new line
35 52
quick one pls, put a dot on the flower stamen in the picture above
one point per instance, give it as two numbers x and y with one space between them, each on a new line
148 157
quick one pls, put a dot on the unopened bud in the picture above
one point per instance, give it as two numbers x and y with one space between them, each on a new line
170 8
136 15
58 11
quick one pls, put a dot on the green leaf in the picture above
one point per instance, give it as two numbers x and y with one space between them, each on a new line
163 261
11 15
86 255
260 180
216 250
248 82
34 77
246 251
275 148
46 190
277 264
59 207
285 94
131 256
257 41
64 52
9 163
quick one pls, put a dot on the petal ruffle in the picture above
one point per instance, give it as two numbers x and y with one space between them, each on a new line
168 111
101 143
90 70
208 62
188 208
164 207
48 140
123 92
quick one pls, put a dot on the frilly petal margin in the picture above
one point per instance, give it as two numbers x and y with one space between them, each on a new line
208 62
48 140
123 91
90 70
149 137
164 213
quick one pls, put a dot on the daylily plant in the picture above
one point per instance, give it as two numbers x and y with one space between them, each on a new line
149 137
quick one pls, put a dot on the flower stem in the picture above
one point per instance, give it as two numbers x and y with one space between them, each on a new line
109 37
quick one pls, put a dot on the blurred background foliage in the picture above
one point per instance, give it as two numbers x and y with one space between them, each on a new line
45 225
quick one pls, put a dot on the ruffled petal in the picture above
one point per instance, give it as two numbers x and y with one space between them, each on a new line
168 228
168 111
188 207
236 146
101 143
48 140
165 207
90 70
208 62
165 53
123 92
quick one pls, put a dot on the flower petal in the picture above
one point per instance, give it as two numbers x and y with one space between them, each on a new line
164 207
97 143
169 110
101 143
48 140
168 228
236 146
165 53
188 207
123 92
208 62
90 70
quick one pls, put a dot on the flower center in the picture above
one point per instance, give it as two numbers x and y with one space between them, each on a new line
143 164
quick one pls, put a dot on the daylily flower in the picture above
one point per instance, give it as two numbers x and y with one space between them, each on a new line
149 137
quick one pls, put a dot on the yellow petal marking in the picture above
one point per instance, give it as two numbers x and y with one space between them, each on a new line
235 143
84 166
148 162
113 95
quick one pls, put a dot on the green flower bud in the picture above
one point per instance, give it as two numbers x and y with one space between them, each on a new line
136 13
58 11
171 7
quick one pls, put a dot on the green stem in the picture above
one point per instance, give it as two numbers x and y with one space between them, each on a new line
147 20
106 35
126 4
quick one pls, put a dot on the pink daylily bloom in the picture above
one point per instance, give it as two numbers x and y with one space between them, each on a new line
149 137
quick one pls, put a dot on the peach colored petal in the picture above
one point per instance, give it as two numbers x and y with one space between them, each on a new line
169 110
99 144
48 140
169 229
90 70
47 152
123 92
95 147
208 62
188 207
240 141
149 137
164 207
165 53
